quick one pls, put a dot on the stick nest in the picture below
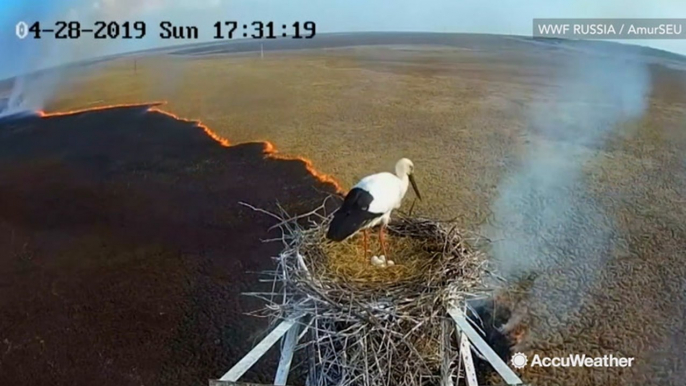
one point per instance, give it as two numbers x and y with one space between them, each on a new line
370 325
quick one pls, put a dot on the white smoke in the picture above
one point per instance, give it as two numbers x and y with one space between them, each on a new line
38 59
545 219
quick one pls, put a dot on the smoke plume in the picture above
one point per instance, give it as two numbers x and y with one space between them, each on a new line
545 218
38 64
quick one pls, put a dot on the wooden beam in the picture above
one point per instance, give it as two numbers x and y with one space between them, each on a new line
466 353
475 338
447 328
217 382
519 384
287 350
258 351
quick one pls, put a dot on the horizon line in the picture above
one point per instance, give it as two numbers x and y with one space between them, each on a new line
178 46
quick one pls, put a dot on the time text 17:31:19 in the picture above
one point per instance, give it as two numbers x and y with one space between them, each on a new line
264 30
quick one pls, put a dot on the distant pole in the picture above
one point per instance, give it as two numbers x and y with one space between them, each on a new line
261 51
135 65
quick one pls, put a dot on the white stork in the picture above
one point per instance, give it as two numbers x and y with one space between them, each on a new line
370 203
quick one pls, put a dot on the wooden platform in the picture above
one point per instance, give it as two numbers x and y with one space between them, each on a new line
290 328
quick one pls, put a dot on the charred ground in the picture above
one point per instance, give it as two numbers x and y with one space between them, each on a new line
123 247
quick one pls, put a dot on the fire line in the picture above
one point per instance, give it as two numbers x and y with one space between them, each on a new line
269 148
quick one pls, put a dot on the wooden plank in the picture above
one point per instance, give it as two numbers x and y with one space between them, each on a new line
287 350
475 338
217 382
466 353
519 384
258 351
447 328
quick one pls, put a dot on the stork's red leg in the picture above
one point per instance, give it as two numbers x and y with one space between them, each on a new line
365 235
382 240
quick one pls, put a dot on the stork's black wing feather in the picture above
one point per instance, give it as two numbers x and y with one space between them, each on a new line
352 216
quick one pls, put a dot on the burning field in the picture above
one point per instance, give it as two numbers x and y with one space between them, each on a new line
570 160
123 246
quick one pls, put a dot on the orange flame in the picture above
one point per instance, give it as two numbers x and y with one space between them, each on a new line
222 141
519 334
270 151
43 114
269 148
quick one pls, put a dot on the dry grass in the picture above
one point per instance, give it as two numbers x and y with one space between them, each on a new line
419 248
347 261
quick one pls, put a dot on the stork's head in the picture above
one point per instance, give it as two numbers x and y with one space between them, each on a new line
405 167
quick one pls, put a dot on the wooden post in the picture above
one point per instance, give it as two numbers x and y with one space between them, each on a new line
466 353
498 364
287 350
447 329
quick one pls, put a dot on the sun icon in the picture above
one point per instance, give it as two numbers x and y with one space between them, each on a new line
519 360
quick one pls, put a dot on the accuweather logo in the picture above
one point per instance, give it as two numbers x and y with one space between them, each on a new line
520 360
